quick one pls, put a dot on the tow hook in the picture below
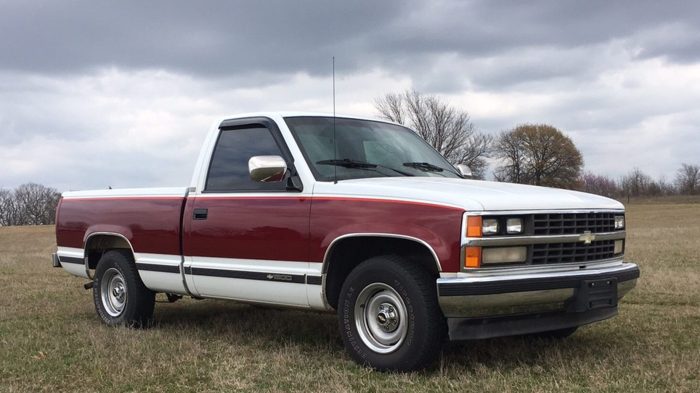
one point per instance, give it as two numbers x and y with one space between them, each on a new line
89 285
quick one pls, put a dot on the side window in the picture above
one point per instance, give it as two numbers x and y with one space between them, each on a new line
228 170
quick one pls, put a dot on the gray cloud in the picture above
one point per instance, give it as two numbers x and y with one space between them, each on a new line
228 37
86 84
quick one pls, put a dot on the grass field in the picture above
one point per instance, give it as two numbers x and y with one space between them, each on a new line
52 340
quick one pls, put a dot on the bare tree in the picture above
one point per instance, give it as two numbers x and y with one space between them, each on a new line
7 208
599 184
636 183
666 187
688 179
449 130
538 154
28 204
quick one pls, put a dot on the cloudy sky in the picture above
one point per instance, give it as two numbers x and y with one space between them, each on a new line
99 93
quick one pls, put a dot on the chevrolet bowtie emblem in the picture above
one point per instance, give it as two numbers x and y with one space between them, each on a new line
587 237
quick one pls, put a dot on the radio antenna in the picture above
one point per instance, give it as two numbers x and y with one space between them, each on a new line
335 144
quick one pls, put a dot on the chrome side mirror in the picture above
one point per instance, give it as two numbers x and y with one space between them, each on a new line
267 168
464 170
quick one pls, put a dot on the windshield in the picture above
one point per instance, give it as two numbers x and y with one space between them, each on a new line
365 149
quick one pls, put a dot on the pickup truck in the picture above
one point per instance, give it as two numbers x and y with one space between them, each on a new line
354 216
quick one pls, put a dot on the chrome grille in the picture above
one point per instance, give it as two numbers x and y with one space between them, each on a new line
572 223
572 252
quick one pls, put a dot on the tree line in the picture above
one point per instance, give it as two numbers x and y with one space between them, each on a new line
637 183
28 204
537 154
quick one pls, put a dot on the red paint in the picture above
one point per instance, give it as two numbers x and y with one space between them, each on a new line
272 228
439 226
151 224
285 227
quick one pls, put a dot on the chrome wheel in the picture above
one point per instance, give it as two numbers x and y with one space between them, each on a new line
381 318
113 291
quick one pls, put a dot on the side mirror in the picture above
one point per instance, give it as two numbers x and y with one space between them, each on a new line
267 168
464 170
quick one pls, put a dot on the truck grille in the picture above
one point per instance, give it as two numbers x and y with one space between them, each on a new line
571 223
572 252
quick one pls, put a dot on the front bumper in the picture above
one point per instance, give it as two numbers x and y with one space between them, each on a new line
483 305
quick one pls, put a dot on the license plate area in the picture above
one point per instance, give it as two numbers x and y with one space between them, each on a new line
593 294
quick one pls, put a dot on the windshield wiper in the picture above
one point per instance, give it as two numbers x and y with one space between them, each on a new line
348 163
428 167
424 166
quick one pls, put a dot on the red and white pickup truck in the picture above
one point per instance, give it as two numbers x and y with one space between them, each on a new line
356 216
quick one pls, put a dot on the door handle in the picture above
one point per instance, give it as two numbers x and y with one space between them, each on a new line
200 214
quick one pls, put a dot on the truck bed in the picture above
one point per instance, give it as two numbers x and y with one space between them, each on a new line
149 218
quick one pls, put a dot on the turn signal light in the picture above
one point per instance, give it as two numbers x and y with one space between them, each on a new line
474 226
472 257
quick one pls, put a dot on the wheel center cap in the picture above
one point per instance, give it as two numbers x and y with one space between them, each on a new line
118 291
387 317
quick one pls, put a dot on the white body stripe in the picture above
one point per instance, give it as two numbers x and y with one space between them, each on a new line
282 293
273 292
257 265
73 268
158 259
127 192
161 281
243 289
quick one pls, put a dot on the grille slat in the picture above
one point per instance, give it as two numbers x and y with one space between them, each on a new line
572 252
565 224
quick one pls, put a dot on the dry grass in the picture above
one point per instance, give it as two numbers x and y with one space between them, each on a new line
51 339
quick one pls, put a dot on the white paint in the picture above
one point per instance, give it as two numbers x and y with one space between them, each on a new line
470 195
283 293
161 281
72 268
127 192
315 295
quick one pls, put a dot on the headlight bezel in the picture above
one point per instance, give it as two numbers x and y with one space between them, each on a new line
619 222
503 225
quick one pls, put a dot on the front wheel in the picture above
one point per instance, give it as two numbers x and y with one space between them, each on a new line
389 315
118 292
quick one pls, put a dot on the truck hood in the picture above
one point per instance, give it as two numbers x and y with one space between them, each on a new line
471 195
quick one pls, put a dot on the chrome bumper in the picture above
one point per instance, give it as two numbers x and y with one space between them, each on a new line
477 296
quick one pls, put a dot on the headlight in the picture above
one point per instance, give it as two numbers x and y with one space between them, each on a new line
494 255
514 225
489 226
619 222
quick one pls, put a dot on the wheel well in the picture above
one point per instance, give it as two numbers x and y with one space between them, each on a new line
347 253
97 245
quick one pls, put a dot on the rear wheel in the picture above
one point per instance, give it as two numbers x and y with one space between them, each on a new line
119 294
389 316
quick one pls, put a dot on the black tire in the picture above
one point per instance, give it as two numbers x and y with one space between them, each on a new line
558 334
392 284
131 303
